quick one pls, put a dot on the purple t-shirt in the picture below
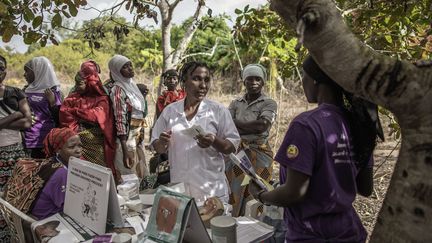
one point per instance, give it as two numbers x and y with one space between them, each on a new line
50 201
317 145
43 120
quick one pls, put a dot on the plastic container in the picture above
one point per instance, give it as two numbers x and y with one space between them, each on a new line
122 238
224 229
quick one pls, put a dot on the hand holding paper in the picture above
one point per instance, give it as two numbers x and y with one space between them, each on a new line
194 131
205 141
242 161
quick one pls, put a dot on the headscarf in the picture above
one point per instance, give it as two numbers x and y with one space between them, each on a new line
90 73
363 114
55 140
89 68
255 70
127 84
44 74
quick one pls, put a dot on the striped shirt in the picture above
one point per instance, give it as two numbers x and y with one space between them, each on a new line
122 110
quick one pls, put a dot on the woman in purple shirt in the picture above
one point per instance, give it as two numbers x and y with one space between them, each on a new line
325 159
38 187
44 97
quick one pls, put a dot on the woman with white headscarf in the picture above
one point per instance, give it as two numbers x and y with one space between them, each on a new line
130 110
44 97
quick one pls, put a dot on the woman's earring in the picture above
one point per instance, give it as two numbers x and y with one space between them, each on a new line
315 82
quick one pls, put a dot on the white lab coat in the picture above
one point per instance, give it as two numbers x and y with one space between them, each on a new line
202 170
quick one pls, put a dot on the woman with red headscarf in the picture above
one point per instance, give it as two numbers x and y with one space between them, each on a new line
38 186
87 111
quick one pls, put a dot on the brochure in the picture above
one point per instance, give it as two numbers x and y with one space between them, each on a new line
252 230
243 162
91 197
60 228
194 131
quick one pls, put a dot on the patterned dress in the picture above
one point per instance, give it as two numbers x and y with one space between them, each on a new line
255 145
11 148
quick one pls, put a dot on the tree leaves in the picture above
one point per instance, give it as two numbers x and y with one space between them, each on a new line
31 37
7 34
37 22
73 10
3 9
28 15
56 21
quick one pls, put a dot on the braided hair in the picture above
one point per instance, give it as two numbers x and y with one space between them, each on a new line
189 67
362 115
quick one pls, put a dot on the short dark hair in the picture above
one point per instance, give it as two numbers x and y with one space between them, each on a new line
189 68
4 60
170 73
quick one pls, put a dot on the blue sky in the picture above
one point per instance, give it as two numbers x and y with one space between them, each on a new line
183 11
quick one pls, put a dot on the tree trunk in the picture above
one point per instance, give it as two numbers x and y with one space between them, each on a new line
166 15
190 31
401 87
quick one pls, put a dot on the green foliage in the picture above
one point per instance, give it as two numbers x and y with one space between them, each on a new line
66 58
262 37
399 28
25 18
211 31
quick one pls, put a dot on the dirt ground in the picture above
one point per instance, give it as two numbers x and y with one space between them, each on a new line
289 106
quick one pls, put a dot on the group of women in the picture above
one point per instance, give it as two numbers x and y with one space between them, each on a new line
325 158
92 122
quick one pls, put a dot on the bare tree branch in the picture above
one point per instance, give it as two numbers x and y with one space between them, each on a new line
112 9
175 3
210 53
237 54
190 30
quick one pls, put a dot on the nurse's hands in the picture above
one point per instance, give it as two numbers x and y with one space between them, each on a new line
160 145
205 141
164 138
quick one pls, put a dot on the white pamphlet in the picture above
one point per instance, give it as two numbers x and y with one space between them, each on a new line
91 195
194 131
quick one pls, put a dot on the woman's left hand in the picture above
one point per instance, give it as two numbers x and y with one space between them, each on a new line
254 189
205 141
49 94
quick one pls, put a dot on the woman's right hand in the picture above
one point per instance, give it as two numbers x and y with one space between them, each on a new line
18 115
128 159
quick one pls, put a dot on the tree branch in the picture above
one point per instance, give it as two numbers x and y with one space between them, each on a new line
153 3
112 9
210 53
174 4
190 31
237 54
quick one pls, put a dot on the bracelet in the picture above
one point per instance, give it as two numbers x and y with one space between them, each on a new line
259 198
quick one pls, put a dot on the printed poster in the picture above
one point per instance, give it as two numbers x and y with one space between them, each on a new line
87 194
